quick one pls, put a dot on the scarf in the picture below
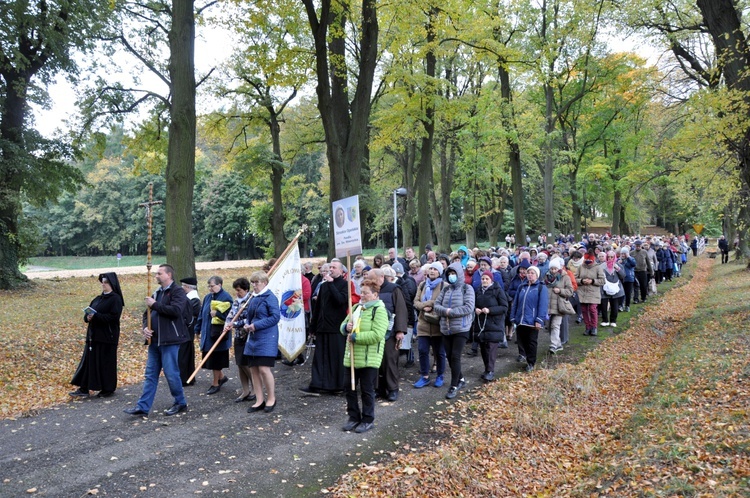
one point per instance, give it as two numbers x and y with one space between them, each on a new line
611 265
429 286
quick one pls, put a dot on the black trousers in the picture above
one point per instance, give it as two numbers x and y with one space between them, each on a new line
528 337
628 287
454 347
642 277
366 378
389 373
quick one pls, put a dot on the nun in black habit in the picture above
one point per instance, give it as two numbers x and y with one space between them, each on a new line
97 370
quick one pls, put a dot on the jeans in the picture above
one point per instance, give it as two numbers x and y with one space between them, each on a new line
424 343
161 357
454 348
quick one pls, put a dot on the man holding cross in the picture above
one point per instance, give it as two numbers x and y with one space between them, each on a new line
167 332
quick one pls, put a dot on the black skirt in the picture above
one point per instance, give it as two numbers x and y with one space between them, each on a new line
217 360
259 361
97 370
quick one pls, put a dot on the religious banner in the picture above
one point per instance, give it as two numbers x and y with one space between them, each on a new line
286 283
347 234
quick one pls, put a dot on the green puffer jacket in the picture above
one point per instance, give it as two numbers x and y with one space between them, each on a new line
369 341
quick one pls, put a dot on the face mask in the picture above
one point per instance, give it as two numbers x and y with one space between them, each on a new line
452 278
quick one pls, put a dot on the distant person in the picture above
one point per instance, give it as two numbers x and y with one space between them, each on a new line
97 370
724 248
167 332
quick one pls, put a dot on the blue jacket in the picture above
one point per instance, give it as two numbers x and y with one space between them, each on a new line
203 325
263 312
628 264
664 256
530 304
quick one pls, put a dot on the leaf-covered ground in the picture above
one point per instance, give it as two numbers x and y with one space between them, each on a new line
658 410
42 334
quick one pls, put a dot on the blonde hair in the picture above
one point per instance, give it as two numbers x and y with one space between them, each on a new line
259 276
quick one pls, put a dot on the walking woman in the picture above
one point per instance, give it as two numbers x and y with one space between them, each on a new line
365 329
428 326
528 313
613 290
216 306
455 305
489 323
262 342
560 288
97 370
590 278
237 323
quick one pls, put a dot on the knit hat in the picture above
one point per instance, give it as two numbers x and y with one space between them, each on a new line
524 264
486 260
556 263
398 268
487 273
534 269
367 268
438 267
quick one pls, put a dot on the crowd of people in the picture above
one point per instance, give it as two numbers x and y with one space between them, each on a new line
441 305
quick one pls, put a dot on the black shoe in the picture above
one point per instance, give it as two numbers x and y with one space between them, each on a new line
79 393
627 309
176 408
258 408
105 394
223 381
593 331
364 427
579 319
392 396
269 408
288 363
213 390
309 390
489 376
529 367
472 352
350 426
249 397
135 411
636 301
521 359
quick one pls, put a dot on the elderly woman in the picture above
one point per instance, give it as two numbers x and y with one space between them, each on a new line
237 322
490 306
97 370
528 313
612 291
210 324
560 287
262 343
590 279
455 306
428 326
365 329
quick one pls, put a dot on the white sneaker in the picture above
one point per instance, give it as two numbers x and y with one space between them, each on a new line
605 324
613 324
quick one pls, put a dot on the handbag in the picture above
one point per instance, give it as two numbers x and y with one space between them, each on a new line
611 288
652 286
564 307
431 317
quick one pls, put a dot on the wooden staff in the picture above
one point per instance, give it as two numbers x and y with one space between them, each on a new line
239 311
149 217
351 317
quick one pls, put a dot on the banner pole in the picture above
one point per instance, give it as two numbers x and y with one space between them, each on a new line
351 315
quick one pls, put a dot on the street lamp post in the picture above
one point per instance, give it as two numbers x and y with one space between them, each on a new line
399 192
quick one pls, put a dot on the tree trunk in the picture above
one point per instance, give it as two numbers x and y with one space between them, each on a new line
576 212
180 173
408 159
11 158
277 175
549 162
616 209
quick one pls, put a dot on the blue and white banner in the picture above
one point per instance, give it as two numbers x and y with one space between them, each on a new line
286 283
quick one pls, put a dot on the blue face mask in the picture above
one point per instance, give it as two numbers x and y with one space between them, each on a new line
452 278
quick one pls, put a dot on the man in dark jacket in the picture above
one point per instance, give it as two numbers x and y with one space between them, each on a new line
394 301
643 270
724 248
167 332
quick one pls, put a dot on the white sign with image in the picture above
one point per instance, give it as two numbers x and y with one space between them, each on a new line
347 233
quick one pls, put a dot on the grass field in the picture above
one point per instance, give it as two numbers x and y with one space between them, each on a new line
86 262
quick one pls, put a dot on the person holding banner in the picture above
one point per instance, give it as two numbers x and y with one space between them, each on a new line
262 329
329 310
365 329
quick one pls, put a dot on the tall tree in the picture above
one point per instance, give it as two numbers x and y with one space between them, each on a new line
37 41
345 121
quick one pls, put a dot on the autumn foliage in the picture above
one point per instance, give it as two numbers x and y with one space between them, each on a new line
587 429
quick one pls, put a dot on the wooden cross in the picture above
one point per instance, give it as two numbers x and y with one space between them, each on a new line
150 218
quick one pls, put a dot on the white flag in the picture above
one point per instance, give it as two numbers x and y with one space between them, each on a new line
286 283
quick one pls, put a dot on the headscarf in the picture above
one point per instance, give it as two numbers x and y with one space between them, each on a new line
114 283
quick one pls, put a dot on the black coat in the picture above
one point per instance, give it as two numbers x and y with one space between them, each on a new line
491 327
104 325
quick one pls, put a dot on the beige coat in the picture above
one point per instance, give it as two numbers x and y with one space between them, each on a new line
425 329
590 293
566 290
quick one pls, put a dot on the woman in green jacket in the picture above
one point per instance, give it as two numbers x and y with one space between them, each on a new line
365 328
